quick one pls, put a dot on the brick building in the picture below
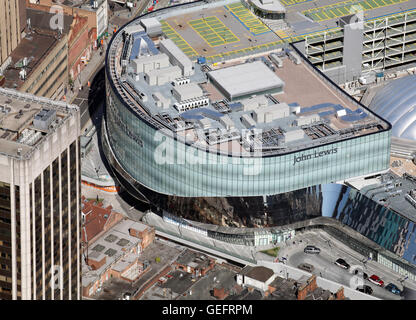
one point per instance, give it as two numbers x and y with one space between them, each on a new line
82 34
79 46
97 219
195 263
114 253
274 287
97 15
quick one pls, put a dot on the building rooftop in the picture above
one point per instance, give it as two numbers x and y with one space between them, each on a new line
245 79
269 5
41 20
83 4
113 244
124 262
310 17
299 108
193 259
25 120
97 218
34 48
258 273
396 193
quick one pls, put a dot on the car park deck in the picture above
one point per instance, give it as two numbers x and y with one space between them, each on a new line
345 8
213 31
247 19
219 32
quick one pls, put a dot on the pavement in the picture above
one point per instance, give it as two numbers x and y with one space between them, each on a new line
119 205
81 94
87 73
331 250
121 17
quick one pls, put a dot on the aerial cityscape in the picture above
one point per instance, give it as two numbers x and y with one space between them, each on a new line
210 150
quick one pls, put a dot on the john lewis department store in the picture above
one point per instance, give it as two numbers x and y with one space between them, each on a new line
244 152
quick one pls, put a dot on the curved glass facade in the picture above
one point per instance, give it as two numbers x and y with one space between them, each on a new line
383 226
170 167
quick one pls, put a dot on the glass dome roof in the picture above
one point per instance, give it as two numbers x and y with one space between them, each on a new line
396 103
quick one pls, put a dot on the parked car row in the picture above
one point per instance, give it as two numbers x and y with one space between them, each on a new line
374 279
311 249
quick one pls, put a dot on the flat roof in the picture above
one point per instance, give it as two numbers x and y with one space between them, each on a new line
42 20
310 17
305 90
116 245
259 273
245 79
393 192
83 4
35 48
17 114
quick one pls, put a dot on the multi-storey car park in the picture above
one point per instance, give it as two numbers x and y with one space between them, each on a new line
211 117
350 38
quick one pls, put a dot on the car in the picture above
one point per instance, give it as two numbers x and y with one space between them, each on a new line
342 263
365 289
306 267
312 249
376 280
393 289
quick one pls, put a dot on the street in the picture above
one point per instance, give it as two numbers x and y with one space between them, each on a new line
89 98
93 96
331 250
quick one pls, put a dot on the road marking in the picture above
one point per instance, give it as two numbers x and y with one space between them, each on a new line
177 39
247 19
336 10
213 31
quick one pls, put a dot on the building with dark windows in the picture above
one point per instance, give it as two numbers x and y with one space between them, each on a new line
39 198
39 64
210 143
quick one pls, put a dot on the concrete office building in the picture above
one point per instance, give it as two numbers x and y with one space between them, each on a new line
202 162
40 198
